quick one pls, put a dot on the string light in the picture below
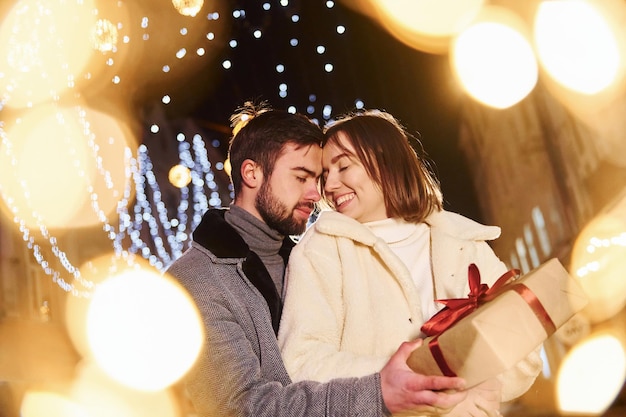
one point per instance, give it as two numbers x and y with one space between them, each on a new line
141 224
83 287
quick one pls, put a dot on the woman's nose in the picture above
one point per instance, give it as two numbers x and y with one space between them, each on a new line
330 183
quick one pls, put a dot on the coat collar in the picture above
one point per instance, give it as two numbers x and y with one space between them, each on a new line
217 236
445 222
214 234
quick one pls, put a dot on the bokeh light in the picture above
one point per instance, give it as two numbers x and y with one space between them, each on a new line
102 396
591 375
63 166
576 45
92 273
188 7
104 35
143 328
36 66
179 176
427 25
599 262
50 404
45 167
494 61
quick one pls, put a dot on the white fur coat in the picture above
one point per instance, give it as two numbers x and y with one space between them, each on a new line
350 301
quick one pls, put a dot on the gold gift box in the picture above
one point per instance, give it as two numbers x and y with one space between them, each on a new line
502 332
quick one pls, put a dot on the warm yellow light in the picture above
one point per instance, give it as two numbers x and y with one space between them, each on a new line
576 45
433 17
143 329
591 375
179 176
46 46
427 25
92 273
102 396
64 166
104 35
494 62
49 404
188 7
599 262
45 167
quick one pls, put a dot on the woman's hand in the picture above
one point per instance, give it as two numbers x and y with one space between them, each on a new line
482 400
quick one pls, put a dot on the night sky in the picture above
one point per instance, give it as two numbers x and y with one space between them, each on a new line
368 65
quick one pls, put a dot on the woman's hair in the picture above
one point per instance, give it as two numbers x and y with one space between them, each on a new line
410 190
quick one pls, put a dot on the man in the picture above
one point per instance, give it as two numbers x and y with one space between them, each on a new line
234 272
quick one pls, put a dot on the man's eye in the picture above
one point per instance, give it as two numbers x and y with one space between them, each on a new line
301 179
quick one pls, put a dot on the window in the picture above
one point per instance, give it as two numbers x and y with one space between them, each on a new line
542 233
530 244
521 253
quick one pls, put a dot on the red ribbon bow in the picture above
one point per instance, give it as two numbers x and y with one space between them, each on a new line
457 308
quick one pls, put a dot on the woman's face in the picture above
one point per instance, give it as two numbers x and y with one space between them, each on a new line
347 185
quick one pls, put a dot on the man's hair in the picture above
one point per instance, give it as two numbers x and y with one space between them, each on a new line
410 190
260 134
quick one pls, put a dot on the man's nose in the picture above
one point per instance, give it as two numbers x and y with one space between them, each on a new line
313 193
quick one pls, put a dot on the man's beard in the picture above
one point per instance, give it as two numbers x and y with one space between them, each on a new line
276 214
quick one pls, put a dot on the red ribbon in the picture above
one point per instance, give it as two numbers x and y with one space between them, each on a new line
457 308
536 306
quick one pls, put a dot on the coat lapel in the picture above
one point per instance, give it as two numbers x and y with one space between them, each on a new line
223 241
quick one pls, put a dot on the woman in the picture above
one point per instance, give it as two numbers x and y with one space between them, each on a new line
365 277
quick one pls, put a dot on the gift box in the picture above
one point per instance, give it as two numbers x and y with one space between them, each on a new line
494 328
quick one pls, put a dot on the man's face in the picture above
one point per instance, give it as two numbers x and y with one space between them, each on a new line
286 199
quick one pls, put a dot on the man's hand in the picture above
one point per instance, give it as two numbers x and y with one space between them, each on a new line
483 400
407 392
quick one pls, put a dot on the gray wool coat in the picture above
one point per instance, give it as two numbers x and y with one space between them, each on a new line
240 371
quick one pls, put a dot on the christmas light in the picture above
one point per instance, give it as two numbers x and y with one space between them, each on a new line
142 223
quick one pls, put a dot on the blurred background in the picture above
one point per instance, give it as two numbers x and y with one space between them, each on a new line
114 133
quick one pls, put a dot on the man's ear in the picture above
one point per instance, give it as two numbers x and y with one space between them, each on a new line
251 174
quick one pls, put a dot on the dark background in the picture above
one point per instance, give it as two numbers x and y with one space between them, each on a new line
369 65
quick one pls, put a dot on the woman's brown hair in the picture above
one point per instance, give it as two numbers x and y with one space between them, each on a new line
410 190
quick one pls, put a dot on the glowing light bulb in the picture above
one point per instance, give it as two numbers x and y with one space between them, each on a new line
143 329
179 176
188 7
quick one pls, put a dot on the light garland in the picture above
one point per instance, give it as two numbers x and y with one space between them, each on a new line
145 228
27 236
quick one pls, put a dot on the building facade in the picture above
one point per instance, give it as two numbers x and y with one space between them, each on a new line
540 173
